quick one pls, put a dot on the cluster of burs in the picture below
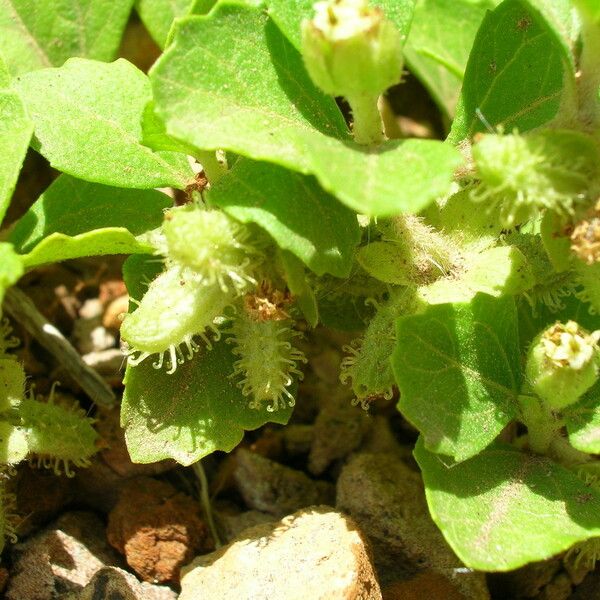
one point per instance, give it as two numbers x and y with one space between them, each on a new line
220 277
54 433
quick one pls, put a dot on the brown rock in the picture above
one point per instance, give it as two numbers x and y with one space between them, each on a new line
316 553
427 585
40 496
339 429
98 486
270 487
61 559
232 523
157 528
112 583
386 499
297 439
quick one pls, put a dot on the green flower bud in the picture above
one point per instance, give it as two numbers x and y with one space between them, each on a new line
562 363
212 245
523 174
350 49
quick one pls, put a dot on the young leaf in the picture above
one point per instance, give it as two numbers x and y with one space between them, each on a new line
500 271
11 268
87 117
191 413
505 508
257 100
158 15
294 210
457 367
583 422
74 218
519 72
44 33
437 50
15 132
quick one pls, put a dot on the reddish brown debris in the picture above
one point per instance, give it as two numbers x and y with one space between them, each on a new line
158 529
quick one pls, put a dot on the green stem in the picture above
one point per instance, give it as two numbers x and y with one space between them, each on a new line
589 80
542 426
213 169
205 500
367 127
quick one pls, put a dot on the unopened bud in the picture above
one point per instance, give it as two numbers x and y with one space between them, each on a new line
563 363
350 49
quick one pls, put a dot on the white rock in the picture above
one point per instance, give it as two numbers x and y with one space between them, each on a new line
315 554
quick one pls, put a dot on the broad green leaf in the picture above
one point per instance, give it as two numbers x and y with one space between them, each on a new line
44 33
158 15
87 117
74 218
438 46
591 8
11 268
187 415
583 422
518 74
458 370
256 99
155 136
294 210
501 271
15 132
466 221
289 14
504 508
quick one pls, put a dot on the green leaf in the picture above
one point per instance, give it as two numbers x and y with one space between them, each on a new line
294 210
256 99
158 15
458 370
518 74
288 14
501 271
74 218
439 43
583 422
11 268
155 136
87 117
44 33
15 132
187 415
504 508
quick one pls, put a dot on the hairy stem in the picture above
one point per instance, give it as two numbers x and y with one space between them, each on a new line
368 127
542 426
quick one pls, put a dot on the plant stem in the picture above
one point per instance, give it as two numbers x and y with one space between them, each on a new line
205 500
542 426
589 81
367 127
213 169
20 307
